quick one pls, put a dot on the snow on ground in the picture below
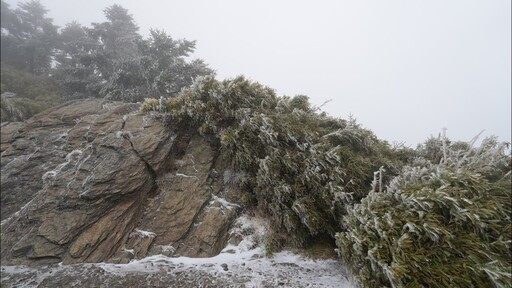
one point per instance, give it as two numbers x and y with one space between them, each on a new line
242 265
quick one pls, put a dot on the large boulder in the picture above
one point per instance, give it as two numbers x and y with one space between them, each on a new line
95 181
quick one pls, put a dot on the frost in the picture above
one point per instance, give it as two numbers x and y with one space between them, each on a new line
184 175
23 210
233 178
440 204
180 163
168 248
111 106
141 233
131 251
223 202
246 266
124 134
72 157
252 231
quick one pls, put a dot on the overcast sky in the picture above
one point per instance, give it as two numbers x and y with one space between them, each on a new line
404 69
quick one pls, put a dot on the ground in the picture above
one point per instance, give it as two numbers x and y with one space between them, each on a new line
241 264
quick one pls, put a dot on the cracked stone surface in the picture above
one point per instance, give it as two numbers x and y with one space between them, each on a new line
97 181
241 264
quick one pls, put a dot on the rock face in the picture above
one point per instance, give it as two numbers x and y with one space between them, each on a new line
96 181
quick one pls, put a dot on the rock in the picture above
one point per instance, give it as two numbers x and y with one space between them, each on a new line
224 266
96 181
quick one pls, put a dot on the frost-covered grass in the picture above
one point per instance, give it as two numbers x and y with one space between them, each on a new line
445 224
444 221
33 94
299 166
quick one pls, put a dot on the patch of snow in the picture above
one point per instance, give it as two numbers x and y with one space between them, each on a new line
131 251
284 268
232 178
73 155
124 134
141 233
49 176
223 202
242 265
168 248
180 163
186 176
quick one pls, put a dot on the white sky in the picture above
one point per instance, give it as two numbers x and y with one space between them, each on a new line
403 68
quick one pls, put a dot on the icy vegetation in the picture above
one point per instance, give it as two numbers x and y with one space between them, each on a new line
449 225
299 166
435 216
241 265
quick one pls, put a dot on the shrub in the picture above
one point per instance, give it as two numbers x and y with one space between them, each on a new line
33 94
301 167
437 225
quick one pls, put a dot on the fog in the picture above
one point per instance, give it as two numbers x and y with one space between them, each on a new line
403 69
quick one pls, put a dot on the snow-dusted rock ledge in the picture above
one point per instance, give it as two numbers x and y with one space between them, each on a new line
242 265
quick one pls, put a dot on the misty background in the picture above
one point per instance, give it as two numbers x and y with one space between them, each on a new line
404 69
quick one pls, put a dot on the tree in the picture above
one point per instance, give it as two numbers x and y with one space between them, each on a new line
75 70
160 69
117 39
9 41
28 37
9 20
109 59
164 64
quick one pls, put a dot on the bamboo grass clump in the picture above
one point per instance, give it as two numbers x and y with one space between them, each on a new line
300 166
436 225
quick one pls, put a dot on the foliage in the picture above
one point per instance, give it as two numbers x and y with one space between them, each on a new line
75 71
301 167
159 68
449 225
112 60
28 37
33 94
109 59
18 109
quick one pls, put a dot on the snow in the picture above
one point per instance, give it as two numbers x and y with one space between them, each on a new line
70 157
223 202
142 233
124 134
242 265
131 251
286 266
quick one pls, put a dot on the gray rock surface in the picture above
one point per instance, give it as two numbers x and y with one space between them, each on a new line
97 181
160 271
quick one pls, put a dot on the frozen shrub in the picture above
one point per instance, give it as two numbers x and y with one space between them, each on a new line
437 225
151 104
232 178
298 166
